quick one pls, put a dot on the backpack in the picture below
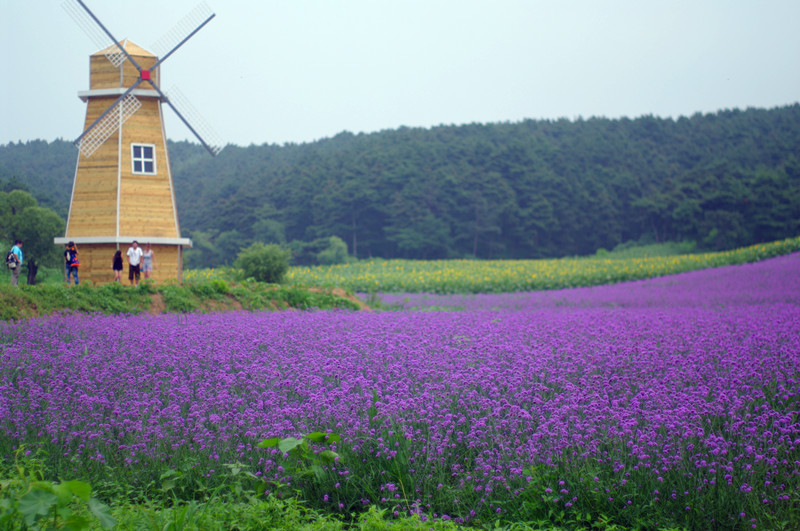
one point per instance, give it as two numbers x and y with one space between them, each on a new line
11 260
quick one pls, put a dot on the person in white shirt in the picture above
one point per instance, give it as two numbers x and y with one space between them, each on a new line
134 261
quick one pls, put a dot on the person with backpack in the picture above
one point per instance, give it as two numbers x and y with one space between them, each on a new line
14 261
71 262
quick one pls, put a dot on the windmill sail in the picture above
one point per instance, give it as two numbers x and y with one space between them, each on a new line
92 30
90 139
108 125
182 31
194 121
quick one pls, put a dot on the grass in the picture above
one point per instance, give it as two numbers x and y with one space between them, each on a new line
212 295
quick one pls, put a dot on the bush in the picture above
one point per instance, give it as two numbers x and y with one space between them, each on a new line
265 263
334 253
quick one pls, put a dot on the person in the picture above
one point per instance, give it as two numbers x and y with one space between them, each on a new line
16 262
134 261
116 265
71 263
148 261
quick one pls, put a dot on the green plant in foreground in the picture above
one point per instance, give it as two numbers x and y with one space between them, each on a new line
28 501
305 463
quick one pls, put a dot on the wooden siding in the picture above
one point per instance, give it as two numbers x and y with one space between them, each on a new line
146 205
103 74
96 262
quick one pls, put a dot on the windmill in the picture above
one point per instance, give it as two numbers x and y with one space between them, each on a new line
122 190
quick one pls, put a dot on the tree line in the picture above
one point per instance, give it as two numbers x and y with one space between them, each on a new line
529 189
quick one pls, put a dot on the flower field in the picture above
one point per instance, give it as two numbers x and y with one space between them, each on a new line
505 276
669 402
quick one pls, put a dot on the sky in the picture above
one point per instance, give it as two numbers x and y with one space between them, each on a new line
294 71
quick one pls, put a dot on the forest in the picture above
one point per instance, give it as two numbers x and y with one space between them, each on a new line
528 189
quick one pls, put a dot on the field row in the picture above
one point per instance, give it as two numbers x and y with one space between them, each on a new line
507 276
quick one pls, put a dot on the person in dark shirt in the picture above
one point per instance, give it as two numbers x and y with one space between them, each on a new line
116 265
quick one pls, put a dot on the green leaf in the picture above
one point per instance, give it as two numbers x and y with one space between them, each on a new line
79 488
328 456
333 438
36 504
103 513
288 444
76 522
44 486
318 471
63 512
272 442
317 436
169 473
63 493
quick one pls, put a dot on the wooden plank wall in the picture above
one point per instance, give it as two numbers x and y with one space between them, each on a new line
146 206
93 211
96 261
104 75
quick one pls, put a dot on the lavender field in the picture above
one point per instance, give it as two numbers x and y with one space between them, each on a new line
663 402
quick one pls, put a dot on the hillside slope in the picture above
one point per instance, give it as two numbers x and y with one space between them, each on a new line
507 190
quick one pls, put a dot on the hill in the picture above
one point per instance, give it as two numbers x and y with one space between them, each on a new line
535 188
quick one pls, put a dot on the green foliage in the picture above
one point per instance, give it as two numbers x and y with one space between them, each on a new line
27 500
264 263
326 251
531 189
21 218
334 253
220 286
178 299
303 462
633 249
27 301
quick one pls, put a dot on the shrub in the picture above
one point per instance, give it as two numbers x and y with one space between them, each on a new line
220 286
334 253
265 263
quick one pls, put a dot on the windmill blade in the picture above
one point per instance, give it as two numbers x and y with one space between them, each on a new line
107 124
210 139
84 21
108 110
182 32
96 31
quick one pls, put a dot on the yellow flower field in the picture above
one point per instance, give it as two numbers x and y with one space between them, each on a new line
498 276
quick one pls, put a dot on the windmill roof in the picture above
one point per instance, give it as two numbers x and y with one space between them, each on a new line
130 47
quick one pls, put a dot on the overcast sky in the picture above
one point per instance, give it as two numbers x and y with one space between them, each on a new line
300 70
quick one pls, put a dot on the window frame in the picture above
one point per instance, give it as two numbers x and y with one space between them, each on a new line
143 160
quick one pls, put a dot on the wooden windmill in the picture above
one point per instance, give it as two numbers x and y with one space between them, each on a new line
123 184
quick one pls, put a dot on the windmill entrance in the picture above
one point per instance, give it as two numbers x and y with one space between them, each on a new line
123 190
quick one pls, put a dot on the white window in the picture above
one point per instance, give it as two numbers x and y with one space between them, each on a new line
143 157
